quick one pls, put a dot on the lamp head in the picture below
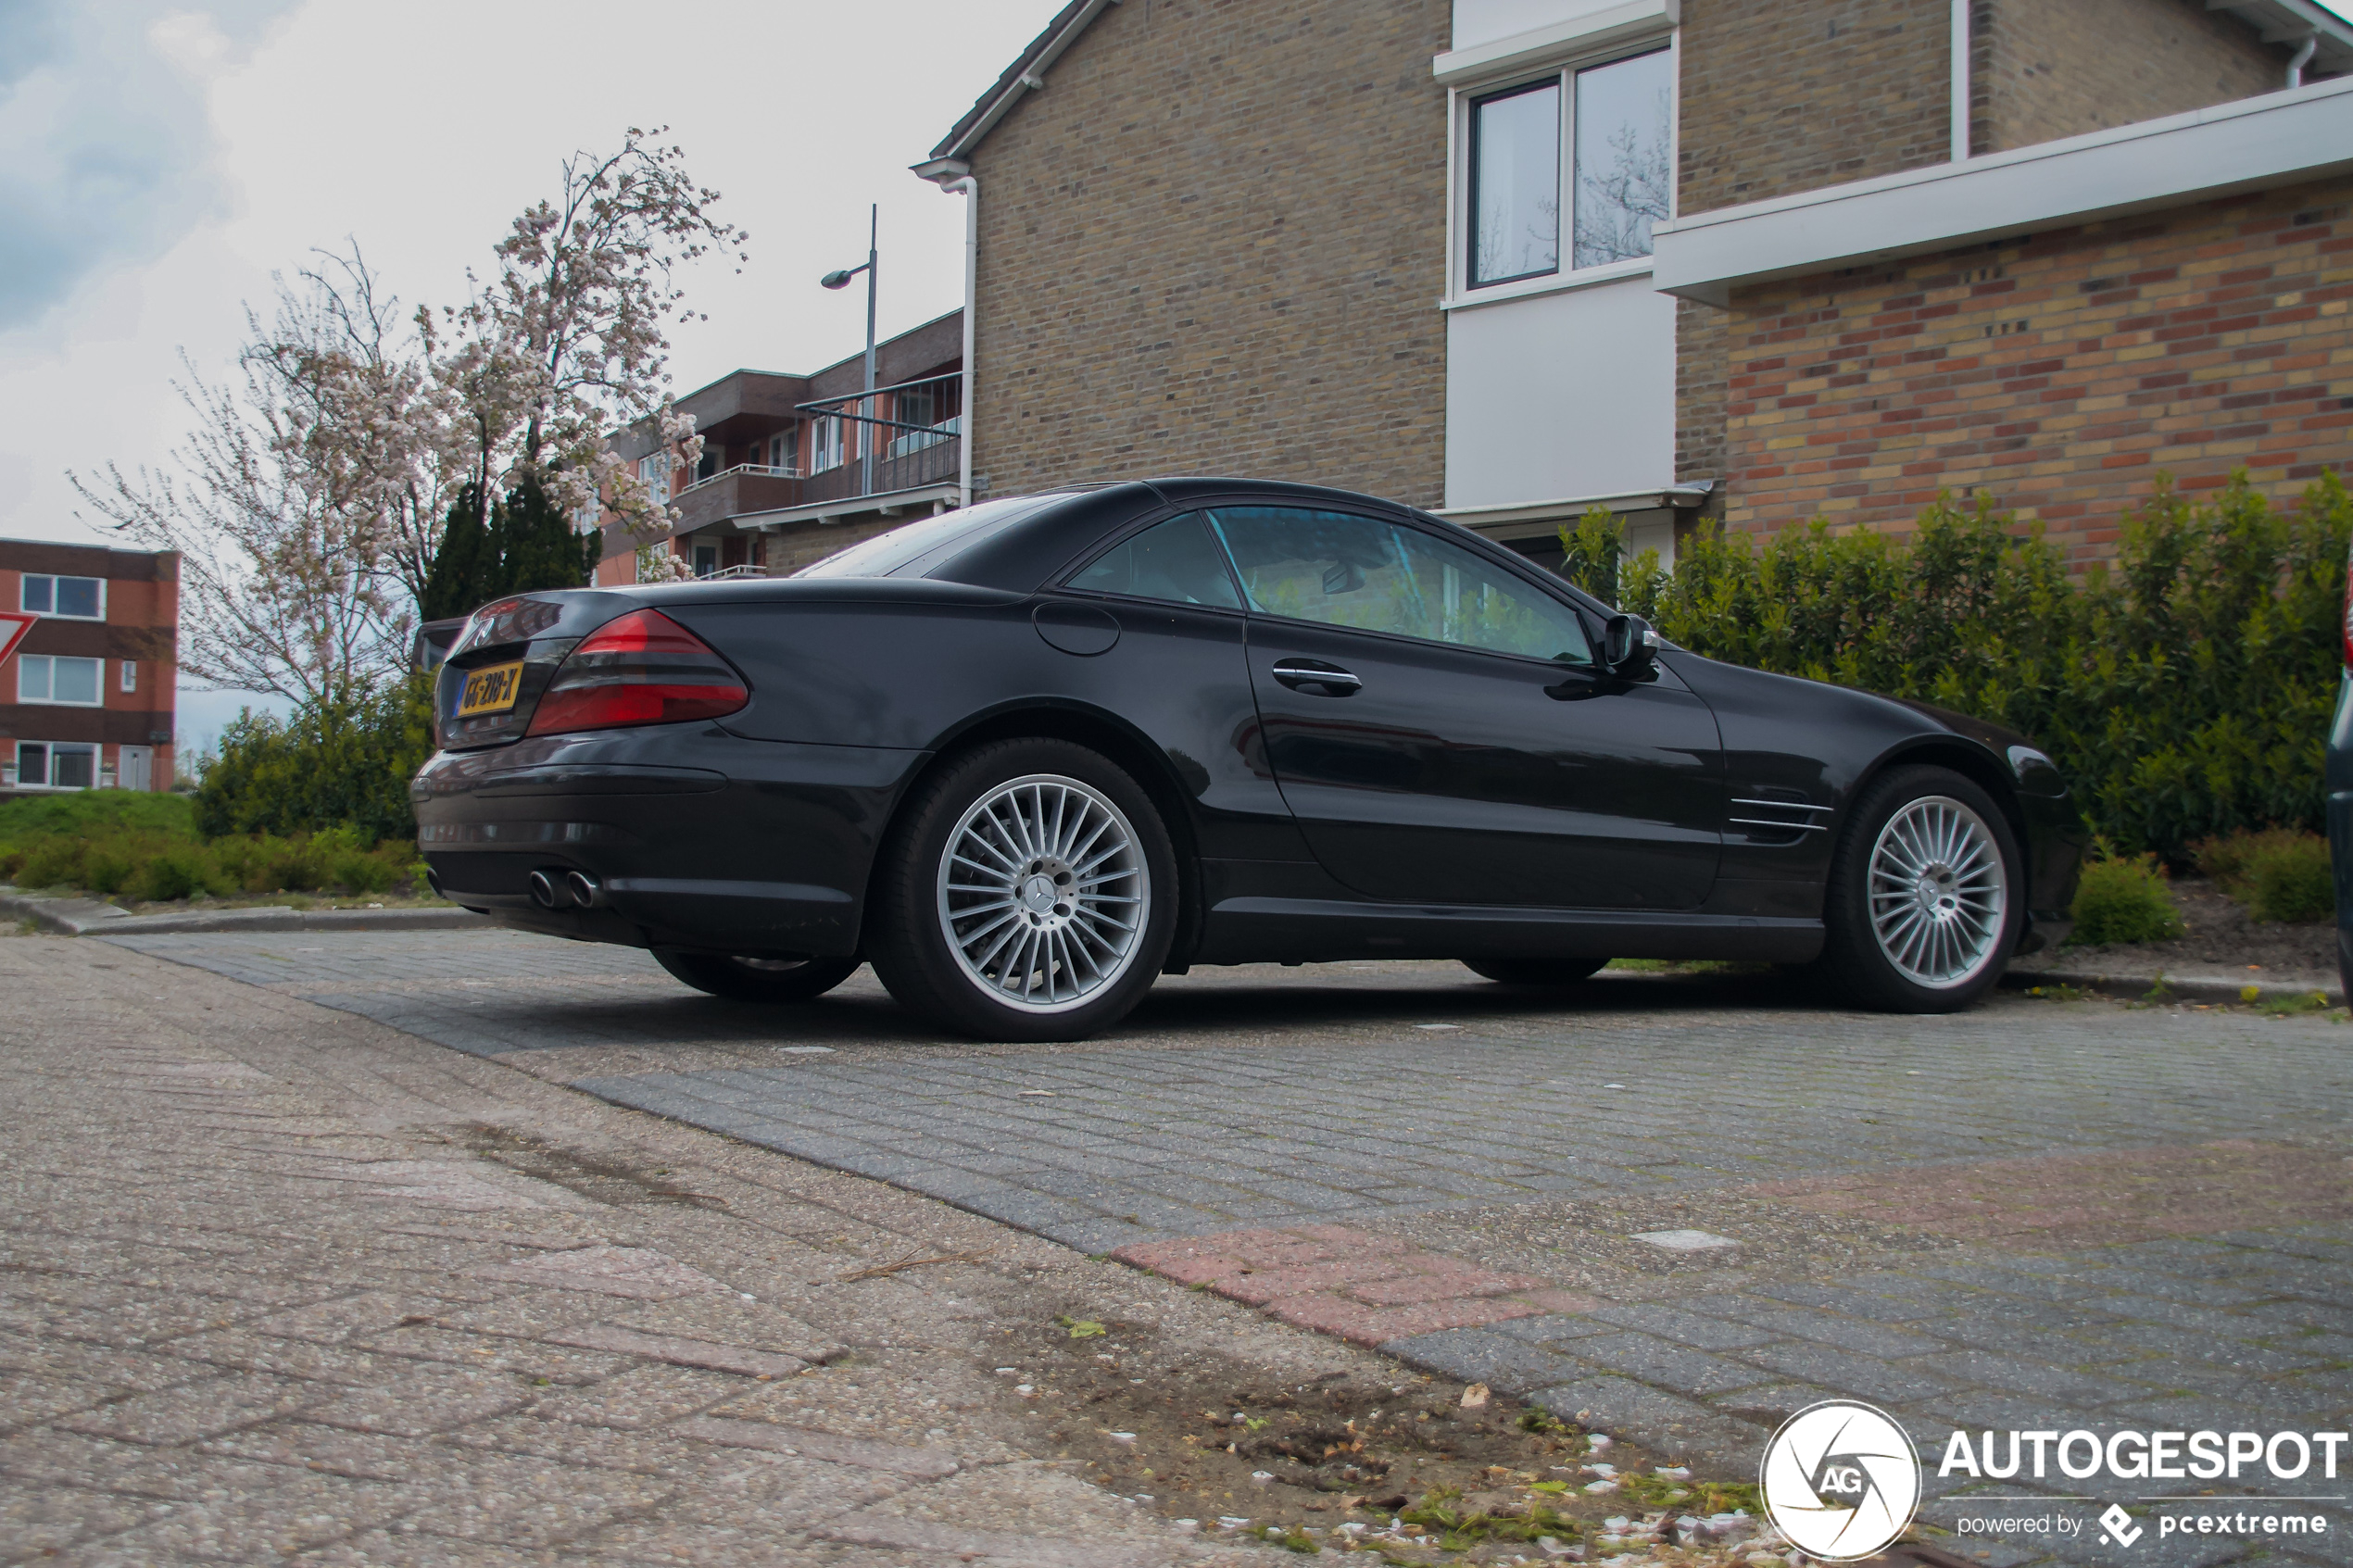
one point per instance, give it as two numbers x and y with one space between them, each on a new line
836 280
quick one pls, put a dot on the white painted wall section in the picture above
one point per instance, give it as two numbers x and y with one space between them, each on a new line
1563 394
1484 22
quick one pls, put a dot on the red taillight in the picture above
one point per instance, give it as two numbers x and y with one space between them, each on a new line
643 669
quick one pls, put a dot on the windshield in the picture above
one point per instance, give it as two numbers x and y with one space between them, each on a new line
912 549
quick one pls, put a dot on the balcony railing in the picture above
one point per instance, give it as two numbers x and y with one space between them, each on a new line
913 460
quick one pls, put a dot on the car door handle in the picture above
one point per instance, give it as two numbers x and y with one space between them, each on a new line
1298 672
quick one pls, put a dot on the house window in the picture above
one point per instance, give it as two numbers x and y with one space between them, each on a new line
825 443
74 598
1516 185
73 681
784 449
1622 173
1616 133
653 472
130 674
52 765
707 465
706 559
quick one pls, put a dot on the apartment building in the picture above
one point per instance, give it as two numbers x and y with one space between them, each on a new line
89 661
796 467
1510 259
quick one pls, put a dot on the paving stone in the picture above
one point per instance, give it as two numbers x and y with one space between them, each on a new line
1688 1372
1486 1355
1689 1328
196 1410
1666 1424
1853 1374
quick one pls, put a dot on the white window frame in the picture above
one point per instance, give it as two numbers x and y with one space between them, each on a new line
49 750
827 448
129 674
25 579
784 443
49 666
1562 68
653 472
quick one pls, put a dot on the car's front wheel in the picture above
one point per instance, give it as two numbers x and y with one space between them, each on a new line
1029 892
742 978
1925 900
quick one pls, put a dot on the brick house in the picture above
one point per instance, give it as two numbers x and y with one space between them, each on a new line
87 694
796 467
1509 260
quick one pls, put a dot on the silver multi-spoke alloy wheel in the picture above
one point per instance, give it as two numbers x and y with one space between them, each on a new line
1042 892
1938 893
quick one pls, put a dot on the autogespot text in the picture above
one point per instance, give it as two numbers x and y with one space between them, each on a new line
2151 1456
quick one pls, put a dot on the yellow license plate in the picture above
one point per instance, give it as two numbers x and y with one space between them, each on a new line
491 690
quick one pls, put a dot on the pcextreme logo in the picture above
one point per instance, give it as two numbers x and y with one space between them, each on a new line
1840 1480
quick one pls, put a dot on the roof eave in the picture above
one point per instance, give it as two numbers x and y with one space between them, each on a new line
1024 75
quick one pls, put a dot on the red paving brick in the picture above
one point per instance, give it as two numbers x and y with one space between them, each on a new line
1362 1287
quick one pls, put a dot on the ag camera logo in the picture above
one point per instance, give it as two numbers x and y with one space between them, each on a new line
1840 1480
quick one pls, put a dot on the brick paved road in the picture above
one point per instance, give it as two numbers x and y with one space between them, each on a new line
271 1290
1918 1221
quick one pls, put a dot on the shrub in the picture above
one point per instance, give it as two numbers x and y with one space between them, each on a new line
2124 899
344 762
2290 879
2185 693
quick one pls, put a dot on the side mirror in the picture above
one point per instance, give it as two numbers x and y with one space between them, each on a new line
1629 645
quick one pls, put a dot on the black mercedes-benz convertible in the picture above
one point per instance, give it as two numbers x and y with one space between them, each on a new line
1026 756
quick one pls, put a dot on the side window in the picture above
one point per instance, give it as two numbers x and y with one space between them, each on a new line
1343 570
1172 560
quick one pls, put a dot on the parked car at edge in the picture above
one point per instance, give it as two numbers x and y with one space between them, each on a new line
1026 757
2339 784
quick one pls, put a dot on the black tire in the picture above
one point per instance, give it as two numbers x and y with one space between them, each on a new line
1536 971
914 905
1857 965
744 978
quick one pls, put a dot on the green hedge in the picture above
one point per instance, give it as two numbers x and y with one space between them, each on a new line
146 846
2185 693
344 762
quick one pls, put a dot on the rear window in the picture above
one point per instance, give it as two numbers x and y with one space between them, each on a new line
915 548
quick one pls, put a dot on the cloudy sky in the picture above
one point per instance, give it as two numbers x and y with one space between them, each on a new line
165 158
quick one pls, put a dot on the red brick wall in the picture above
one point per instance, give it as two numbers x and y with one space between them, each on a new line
2062 372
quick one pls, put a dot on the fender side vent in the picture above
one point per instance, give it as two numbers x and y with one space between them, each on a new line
1778 818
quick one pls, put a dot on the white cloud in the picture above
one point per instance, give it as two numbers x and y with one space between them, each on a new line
110 151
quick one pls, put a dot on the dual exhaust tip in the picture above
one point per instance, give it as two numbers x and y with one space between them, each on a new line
558 889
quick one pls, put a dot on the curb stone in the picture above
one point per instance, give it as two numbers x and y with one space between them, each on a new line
91 917
2191 987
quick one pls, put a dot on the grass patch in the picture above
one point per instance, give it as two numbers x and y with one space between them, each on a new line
145 848
2293 1007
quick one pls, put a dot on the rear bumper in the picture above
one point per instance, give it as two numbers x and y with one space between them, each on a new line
694 837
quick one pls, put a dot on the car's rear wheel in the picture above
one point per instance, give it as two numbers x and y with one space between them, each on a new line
1029 892
1536 971
1924 902
742 978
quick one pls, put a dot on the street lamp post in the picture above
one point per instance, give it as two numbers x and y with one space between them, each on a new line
840 280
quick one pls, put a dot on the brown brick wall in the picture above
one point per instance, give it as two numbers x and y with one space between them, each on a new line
2062 372
1213 244
1701 337
2039 69
1781 96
